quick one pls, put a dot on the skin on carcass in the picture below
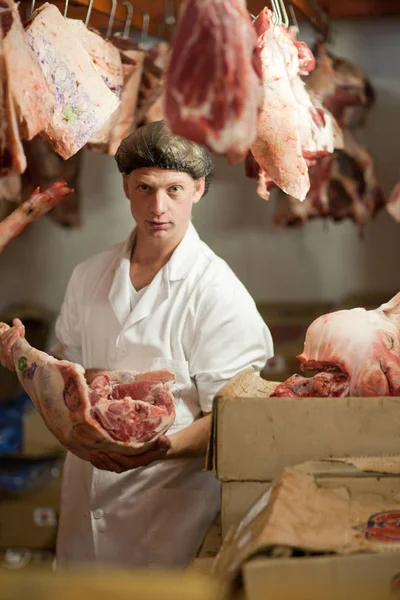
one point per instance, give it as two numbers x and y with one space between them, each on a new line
277 148
114 411
362 344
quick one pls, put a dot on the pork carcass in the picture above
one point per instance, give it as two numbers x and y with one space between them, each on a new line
151 90
107 62
277 148
116 411
84 103
341 87
213 89
34 102
343 186
132 58
44 167
37 205
359 348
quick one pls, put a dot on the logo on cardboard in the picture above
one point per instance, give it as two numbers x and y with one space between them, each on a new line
382 527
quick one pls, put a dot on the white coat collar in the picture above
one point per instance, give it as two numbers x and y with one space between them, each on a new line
177 268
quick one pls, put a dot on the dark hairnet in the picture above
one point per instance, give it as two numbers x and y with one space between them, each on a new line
154 145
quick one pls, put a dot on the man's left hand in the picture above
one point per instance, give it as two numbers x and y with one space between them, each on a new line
119 463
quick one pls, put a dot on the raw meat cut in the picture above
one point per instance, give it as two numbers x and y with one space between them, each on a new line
341 87
45 167
132 58
343 185
152 83
213 90
83 101
115 411
322 385
277 148
107 62
34 102
37 205
358 344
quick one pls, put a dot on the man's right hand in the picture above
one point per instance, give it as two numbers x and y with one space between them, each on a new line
7 341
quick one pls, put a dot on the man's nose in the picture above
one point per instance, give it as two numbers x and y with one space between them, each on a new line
159 202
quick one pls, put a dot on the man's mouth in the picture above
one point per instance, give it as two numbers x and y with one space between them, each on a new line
158 224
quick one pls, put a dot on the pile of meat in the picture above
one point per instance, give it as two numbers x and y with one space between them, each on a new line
111 411
356 353
343 185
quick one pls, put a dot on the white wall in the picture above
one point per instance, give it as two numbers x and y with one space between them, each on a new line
320 261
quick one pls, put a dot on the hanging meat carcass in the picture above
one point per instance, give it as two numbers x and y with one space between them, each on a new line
112 411
37 205
132 58
343 186
341 87
33 100
358 348
294 130
393 205
151 99
107 62
213 90
45 167
84 103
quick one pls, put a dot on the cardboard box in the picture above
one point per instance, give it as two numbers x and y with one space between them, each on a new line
212 541
362 576
29 519
237 497
346 574
279 432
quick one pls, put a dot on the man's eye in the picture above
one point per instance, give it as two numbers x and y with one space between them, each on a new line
144 188
175 189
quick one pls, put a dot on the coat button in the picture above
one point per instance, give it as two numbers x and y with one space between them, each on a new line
98 514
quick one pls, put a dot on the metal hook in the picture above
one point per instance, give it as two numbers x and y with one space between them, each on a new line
111 19
128 22
277 13
89 10
33 6
285 19
145 28
253 18
66 8
294 18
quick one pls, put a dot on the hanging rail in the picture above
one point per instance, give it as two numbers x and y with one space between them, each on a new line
156 11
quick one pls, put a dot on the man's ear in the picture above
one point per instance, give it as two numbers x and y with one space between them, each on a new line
200 186
125 184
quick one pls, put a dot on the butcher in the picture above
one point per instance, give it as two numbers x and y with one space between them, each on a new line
160 300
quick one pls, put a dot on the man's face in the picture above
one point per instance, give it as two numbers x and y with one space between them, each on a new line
162 200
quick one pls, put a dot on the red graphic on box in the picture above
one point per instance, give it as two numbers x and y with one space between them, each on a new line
382 527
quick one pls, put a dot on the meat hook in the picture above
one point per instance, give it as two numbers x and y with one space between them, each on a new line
66 8
145 28
277 13
111 19
89 10
285 19
128 22
33 6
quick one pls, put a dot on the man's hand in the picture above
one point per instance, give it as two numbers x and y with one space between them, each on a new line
119 463
7 341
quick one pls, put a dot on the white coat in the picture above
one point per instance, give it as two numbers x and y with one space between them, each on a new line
195 319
